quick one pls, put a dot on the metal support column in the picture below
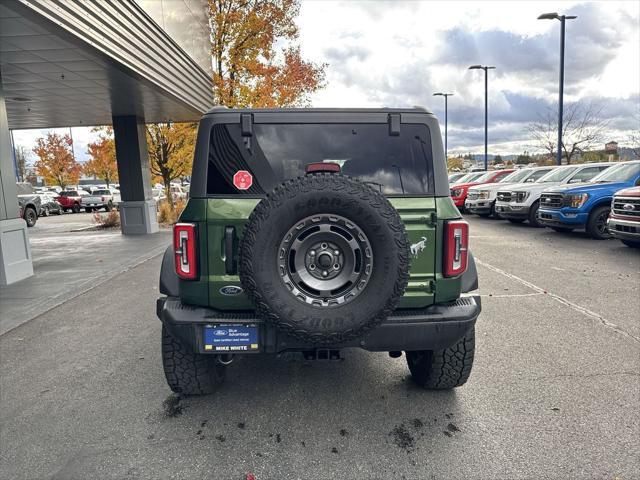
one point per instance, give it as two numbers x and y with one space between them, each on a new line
15 253
138 213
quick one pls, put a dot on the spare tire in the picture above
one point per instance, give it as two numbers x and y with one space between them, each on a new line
324 258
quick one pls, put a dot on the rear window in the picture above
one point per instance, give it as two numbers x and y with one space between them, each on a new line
395 165
101 192
69 193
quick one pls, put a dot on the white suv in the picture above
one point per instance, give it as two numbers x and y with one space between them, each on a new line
521 201
481 199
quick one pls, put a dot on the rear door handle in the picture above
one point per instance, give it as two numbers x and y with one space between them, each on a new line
229 262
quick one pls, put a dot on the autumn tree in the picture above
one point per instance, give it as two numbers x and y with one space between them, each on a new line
55 160
583 128
171 148
102 163
454 163
21 162
250 67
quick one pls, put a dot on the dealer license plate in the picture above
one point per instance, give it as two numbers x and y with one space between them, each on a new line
231 338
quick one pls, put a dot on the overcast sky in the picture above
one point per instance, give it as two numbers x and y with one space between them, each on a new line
399 53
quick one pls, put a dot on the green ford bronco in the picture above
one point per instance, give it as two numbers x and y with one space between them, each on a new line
314 231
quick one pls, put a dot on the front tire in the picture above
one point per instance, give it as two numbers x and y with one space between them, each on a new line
597 223
30 216
189 373
75 208
533 216
443 369
493 213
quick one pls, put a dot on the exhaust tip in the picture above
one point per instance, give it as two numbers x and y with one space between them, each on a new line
225 359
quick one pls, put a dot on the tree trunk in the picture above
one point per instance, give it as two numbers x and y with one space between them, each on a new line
167 191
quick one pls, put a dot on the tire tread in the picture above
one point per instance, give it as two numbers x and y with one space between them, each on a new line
186 372
444 369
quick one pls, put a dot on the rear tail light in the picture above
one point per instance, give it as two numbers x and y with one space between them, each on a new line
456 247
184 248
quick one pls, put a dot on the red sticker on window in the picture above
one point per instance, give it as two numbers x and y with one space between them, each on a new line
242 180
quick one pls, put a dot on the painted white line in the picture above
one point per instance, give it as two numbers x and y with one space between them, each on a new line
510 295
578 308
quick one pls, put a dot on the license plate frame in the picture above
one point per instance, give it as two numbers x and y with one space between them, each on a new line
231 338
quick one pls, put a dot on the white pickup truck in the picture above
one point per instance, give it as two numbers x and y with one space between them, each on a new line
520 202
98 199
481 199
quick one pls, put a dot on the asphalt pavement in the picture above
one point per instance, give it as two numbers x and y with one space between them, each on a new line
554 393
68 260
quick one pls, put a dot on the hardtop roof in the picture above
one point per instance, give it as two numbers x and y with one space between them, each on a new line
222 109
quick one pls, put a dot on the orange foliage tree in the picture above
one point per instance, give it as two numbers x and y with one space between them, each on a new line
171 148
102 163
55 160
248 69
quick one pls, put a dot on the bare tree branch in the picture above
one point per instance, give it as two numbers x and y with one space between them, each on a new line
583 129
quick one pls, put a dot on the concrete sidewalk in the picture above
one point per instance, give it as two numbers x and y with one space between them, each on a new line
67 264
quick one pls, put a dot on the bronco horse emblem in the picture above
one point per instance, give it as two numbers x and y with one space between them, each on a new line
416 248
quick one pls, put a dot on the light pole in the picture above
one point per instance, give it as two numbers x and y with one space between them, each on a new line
562 18
486 108
445 95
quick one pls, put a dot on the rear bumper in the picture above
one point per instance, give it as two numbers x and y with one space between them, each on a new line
432 328
624 229
554 218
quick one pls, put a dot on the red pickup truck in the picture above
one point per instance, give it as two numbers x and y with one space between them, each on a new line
70 200
459 190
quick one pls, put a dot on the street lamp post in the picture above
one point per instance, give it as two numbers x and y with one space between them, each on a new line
445 95
486 109
562 18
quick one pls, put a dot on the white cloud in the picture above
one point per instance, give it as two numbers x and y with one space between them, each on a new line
399 53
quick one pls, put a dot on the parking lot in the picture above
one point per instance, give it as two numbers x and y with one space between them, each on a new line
555 390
